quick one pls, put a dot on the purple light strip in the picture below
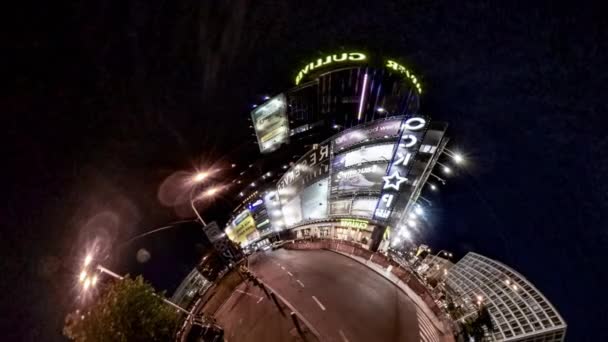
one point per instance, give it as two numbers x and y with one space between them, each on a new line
362 97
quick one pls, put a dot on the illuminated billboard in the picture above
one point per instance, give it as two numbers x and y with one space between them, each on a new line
364 154
314 200
243 228
271 124
364 178
340 207
377 130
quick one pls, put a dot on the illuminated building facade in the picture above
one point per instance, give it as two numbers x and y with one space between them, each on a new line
363 150
332 93
519 311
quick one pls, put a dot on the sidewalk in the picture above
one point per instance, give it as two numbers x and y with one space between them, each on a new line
411 294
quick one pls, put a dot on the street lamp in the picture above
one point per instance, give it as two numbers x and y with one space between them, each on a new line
197 179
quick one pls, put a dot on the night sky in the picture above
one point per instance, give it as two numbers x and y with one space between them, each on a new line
107 99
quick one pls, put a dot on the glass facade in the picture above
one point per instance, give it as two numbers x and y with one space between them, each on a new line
519 311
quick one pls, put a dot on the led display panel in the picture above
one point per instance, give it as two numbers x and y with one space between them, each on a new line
364 178
376 130
314 200
292 211
271 124
364 154
339 207
364 207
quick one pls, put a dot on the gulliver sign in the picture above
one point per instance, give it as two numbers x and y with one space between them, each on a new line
343 57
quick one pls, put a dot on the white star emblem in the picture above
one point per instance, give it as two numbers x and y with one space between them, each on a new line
395 175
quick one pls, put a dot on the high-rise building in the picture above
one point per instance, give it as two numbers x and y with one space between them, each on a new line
348 150
518 310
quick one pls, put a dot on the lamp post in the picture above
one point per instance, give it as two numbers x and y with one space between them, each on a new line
196 180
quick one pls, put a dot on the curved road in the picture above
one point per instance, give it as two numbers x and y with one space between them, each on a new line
343 299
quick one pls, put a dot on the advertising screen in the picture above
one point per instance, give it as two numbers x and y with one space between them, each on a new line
339 207
379 129
364 207
243 226
312 166
364 154
364 178
271 124
292 211
314 200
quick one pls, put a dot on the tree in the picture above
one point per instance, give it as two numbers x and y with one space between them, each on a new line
128 310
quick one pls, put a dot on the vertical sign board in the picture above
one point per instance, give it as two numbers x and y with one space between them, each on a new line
398 183
219 241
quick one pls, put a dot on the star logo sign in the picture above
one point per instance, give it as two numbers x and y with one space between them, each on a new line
393 181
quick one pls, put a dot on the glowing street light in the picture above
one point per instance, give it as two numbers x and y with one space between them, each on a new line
199 177
83 276
447 170
87 260
411 223
458 159
211 192
87 284
433 186
380 110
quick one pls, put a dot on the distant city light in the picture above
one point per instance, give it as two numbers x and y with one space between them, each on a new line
233 165
253 106
412 215
285 167
433 187
380 110
266 97
411 223
83 276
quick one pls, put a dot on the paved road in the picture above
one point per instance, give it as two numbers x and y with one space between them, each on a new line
248 315
344 300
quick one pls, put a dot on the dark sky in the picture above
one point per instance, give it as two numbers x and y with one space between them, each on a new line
106 99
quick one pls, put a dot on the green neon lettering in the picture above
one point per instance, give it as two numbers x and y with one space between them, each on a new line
356 56
319 63
327 60
342 58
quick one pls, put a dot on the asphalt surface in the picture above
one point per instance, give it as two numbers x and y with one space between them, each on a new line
248 315
344 300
